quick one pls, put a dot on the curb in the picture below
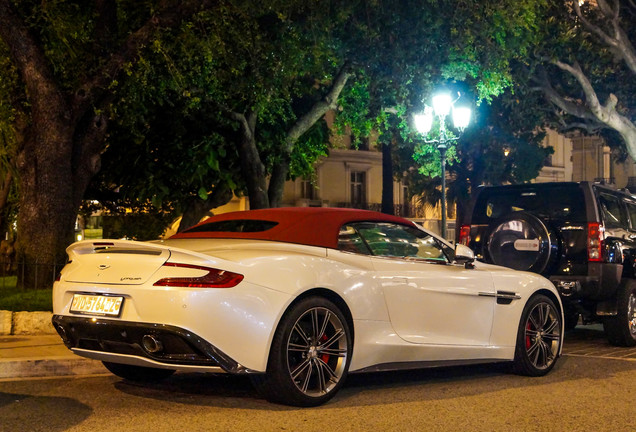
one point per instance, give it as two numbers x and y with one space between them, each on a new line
31 348
26 323
50 367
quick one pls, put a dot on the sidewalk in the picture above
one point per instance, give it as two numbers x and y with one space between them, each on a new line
40 354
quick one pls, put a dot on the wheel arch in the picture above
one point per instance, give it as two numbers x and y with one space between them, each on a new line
551 295
328 294
557 301
333 297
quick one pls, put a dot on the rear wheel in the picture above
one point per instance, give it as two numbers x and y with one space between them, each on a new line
621 329
138 373
571 320
310 355
539 337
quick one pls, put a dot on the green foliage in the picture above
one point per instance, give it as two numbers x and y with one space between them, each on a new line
171 117
564 37
410 49
312 146
136 226
70 41
17 300
171 138
503 144
486 37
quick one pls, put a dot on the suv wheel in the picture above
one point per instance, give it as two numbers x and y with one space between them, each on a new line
621 329
522 242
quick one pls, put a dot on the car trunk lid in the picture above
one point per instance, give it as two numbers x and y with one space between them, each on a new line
113 262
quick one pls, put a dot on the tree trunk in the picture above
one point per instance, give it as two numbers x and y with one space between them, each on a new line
277 181
47 204
197 208
387 180
59 152
4 198
302 125
252 167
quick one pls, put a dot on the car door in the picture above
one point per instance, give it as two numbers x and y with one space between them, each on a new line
429 299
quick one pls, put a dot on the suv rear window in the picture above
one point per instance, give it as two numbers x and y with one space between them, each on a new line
555 202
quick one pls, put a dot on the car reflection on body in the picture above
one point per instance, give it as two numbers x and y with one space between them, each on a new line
297 298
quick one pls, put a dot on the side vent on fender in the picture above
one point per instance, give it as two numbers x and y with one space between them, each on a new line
506 297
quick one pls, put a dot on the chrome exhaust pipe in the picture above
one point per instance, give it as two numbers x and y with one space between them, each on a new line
62 332
151 344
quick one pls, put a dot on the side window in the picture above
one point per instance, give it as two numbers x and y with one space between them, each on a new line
350 241
614 213
394 240
631 209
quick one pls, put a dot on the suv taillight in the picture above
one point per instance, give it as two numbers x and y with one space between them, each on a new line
594 241
464 235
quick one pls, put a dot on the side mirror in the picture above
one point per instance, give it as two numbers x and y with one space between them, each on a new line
464 255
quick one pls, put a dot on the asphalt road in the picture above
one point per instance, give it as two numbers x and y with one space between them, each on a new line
593 388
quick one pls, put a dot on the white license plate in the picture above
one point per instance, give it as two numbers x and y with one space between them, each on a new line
97 304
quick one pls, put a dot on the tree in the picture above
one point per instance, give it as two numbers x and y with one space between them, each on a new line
408 50
68 58
588 65
179 115
285 74
11 121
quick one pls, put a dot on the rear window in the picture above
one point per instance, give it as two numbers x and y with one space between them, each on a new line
556 202
235 226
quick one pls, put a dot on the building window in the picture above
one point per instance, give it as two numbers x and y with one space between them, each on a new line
358 187
307 190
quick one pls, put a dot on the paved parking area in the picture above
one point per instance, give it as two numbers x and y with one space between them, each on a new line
590 341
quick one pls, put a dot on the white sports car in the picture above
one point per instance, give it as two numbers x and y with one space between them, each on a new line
297 298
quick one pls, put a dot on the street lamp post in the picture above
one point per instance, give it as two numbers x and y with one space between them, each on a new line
442 105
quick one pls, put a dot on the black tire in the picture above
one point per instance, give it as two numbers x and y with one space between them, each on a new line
571 320
310 355
620 330
138 373
521 241
539 337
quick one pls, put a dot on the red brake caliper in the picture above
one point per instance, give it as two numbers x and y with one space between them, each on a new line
528 341
324 357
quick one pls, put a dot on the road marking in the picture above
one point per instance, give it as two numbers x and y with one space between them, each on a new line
589 341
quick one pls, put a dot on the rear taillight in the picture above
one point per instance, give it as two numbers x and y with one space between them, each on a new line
214 278
594 241
464 235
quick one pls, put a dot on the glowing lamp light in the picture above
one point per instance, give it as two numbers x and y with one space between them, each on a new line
442 103
461 117
424 122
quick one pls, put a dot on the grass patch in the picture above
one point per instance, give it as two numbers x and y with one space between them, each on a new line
16 300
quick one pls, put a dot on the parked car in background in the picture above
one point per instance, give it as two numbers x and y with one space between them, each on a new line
296 298
582 236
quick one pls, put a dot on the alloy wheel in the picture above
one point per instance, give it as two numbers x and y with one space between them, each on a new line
542 335
317 351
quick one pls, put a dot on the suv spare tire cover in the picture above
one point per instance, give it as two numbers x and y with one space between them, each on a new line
522 242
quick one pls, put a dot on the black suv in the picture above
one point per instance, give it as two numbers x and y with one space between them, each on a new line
582 236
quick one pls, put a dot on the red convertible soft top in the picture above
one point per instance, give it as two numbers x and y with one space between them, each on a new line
313 226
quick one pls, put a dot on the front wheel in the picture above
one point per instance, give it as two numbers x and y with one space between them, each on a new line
138 373
310 355
621 329
539 337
